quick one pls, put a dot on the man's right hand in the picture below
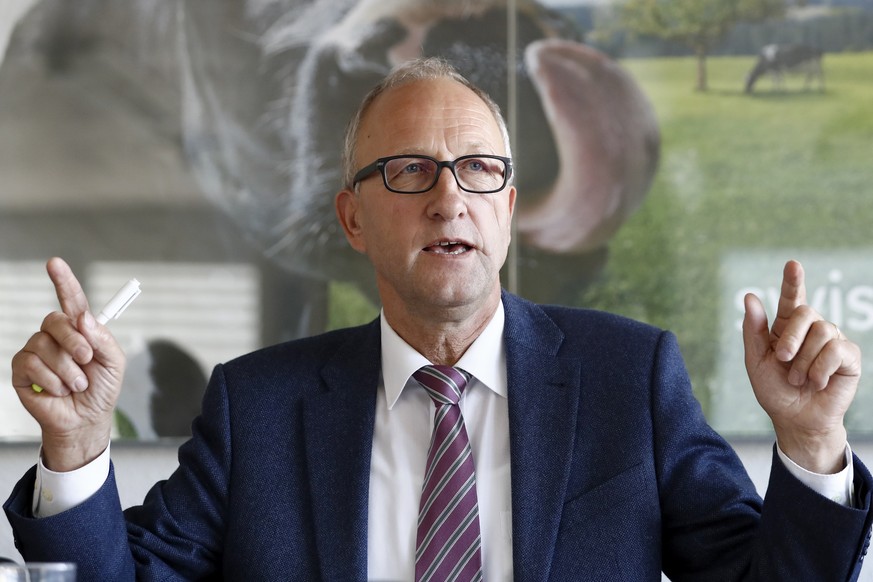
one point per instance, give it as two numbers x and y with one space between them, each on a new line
80 368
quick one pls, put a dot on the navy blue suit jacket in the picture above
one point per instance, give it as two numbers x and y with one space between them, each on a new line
615 473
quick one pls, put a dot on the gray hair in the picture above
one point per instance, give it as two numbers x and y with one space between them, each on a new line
415 70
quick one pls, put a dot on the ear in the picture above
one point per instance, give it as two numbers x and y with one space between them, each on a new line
347 206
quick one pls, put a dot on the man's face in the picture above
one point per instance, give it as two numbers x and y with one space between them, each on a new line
442 249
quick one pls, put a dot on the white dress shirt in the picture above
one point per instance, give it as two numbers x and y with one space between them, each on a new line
404 421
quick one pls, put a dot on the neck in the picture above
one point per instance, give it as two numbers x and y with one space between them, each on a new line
441 338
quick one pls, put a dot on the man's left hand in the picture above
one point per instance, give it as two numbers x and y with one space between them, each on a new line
804 373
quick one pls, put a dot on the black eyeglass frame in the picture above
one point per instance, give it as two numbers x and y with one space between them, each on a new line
379 166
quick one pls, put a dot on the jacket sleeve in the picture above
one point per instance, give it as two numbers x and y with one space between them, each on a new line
93 534
177 534
714 524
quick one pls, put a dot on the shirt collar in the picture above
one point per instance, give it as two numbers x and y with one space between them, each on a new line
485 359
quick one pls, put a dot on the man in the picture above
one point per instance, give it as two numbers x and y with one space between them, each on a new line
592 458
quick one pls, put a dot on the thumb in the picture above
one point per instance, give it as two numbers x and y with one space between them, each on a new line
756 333
107 352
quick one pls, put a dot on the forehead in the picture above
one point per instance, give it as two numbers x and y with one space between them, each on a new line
433 116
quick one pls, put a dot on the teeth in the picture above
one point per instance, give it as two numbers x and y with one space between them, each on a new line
461 247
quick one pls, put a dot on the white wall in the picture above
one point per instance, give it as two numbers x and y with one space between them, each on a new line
139 466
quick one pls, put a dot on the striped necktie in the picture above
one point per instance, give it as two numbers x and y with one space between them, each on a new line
447 545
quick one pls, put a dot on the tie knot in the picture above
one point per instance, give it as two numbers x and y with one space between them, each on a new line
444 384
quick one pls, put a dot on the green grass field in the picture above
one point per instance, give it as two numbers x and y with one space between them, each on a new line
776 169
788 169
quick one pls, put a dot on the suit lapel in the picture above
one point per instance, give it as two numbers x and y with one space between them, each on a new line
338 427
543 404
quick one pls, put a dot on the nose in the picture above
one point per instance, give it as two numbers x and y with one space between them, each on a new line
446 200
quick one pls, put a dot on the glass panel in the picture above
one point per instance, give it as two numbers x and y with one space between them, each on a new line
205 133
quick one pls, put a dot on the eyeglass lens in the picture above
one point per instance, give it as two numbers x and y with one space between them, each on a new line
475 174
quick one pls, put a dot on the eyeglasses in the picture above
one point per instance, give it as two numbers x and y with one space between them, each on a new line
479 174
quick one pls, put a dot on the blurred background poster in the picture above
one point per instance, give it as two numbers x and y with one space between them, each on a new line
670 156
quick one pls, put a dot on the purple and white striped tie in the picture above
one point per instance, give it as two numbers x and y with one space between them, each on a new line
448 543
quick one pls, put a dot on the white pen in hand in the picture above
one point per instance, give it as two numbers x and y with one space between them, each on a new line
113 309
119 302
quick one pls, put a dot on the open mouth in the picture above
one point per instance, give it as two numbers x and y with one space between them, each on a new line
448 248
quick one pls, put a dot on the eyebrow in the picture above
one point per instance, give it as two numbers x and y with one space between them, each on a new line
480 147
471 149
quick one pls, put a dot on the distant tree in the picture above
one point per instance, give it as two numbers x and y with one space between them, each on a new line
698 24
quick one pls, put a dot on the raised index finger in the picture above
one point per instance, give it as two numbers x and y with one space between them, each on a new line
67 287
793 290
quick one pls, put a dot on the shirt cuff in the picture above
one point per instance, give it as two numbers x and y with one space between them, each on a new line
55 492
837 487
